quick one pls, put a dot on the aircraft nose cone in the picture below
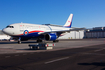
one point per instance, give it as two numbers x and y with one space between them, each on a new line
8 31
5 31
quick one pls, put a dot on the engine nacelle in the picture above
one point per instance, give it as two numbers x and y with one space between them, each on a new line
51 36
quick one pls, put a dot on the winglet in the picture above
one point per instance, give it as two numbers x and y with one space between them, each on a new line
69 21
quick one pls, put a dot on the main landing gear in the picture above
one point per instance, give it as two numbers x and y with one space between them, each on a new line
55 40
39 40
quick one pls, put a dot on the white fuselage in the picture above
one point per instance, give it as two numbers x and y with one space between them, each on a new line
19 29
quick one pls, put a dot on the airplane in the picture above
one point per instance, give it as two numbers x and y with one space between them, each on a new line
26 31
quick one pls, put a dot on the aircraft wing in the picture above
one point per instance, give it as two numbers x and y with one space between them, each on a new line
74 29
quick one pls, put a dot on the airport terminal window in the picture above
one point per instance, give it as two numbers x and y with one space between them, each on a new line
10 27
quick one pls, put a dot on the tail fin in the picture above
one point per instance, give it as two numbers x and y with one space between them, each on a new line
69 21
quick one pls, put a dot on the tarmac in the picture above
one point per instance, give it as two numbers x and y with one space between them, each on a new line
84 54
7 47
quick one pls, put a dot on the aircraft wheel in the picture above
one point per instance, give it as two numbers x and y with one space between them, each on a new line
19 42
33 47
39 41
56 41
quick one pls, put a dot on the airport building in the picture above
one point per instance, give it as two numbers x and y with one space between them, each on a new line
3 36
97 32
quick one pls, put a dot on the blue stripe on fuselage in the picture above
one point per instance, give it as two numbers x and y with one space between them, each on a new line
29 35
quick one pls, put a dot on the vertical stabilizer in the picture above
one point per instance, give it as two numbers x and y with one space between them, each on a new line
69 21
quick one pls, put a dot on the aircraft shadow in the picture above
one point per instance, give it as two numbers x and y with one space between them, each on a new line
94 63
7 42
24 42
27 49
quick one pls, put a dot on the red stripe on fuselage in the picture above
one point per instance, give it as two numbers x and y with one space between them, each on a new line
35 31
29 32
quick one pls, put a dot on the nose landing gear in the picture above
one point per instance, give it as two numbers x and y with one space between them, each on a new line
19 40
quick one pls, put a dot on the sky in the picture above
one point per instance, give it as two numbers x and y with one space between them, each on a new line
86 13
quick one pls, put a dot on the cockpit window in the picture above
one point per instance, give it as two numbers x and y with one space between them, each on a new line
10 27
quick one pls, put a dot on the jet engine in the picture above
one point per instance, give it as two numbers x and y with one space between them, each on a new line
51 37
